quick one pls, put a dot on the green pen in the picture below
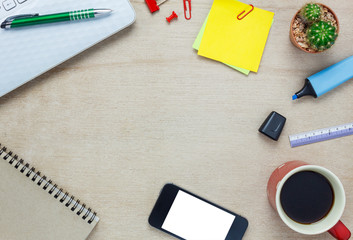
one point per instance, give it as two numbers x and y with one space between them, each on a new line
35 19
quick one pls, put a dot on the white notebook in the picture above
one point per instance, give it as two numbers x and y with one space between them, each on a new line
30 51
33 207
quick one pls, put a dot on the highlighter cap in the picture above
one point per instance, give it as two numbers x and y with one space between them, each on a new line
273 125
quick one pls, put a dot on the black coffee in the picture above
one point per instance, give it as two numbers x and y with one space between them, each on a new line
307 197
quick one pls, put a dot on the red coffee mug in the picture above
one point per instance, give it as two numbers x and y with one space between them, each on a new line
331 222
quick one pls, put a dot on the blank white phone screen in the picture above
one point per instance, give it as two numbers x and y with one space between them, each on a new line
194 219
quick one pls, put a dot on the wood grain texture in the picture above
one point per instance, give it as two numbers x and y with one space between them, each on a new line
141 109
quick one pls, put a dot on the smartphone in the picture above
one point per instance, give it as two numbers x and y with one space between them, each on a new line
187 216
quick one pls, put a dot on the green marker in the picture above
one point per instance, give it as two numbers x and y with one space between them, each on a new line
35 19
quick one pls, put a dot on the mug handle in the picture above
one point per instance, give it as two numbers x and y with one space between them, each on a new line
340 231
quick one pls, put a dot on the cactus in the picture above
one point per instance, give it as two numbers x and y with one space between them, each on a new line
321 35
311 12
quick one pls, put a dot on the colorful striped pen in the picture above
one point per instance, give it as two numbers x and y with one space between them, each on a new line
35 19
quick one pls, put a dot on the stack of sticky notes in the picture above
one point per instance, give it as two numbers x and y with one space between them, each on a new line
236 43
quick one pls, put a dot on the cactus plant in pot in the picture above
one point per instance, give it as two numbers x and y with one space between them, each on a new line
314 28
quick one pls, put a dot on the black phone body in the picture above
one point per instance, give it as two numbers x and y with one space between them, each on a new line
187 216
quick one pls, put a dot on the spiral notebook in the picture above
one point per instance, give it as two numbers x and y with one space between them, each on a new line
33 207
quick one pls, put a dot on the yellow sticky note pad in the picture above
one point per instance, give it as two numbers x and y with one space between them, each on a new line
197 43
232 41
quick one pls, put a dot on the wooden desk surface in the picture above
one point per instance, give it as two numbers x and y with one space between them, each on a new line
141 109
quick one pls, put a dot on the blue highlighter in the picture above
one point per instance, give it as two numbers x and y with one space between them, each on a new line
327 79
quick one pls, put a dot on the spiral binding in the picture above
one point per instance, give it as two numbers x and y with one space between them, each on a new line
48 186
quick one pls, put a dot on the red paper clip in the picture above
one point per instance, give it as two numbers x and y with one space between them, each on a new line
252 8
186 9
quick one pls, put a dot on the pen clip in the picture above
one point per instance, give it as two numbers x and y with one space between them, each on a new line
11 18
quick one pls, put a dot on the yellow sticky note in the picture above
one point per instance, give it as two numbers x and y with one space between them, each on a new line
232 41
197 43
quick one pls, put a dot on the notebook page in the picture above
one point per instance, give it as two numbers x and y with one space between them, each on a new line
30 51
